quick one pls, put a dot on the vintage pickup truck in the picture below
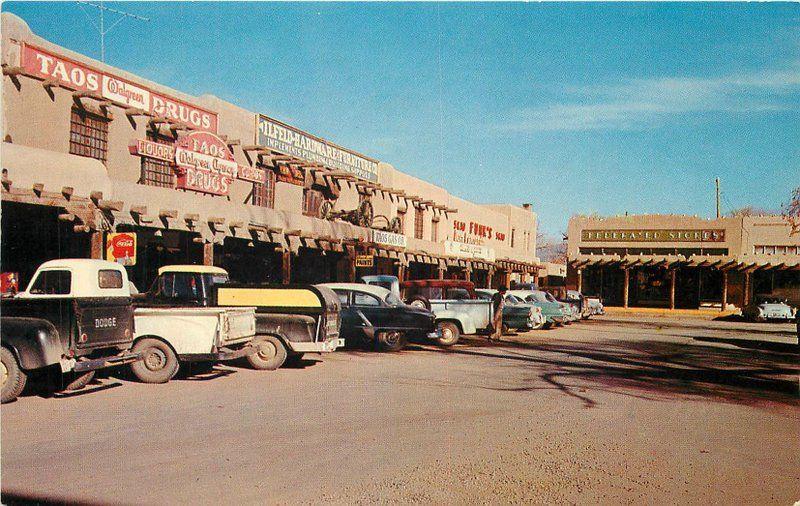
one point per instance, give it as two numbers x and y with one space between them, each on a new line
289 320
74 317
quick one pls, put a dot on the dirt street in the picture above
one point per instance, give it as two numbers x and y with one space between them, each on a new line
597 412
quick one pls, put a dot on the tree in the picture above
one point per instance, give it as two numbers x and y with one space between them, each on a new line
748 211
791 211
551 249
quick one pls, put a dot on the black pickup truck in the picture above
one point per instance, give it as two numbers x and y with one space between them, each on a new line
75 317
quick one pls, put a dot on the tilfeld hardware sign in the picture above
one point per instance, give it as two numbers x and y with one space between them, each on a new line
291 141
121 248
657 235
77 76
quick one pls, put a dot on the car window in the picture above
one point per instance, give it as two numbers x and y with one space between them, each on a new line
393 300
483 296
53 282
537 297
457 294
365 299
512 299
180 285
109 278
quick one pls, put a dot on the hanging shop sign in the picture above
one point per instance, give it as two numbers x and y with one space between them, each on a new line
155 150
291 175
654 235
121 248
77 76
365 261
204 163
285 139
252 174
463 250
389 238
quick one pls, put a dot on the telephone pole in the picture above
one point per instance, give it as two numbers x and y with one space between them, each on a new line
101 28
717 184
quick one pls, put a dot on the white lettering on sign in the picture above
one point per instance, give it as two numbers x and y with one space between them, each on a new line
389 238
462 250
125 93
105 323
150 149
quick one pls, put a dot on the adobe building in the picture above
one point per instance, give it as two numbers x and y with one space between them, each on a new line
676 261
100 163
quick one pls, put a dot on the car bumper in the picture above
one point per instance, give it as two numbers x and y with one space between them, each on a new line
221 355
326 346
436 334
99 363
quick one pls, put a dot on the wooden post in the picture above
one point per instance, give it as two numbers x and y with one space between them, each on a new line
467 274
625 287
673 274
352 271
401 273
724 301
286 267
208 253
96 248
746 294
441 272
489 278
580 281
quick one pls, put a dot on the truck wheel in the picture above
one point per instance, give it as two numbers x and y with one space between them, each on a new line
12 376
538 326
78 380
547 325
391 341
271 354
450 333
159 363
420 302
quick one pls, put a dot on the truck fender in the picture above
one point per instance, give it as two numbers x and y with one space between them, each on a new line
466 323
279 335
158 338
34 341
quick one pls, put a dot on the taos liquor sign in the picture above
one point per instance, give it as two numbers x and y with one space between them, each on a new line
291 141
121 248
203 162
70 74
654 235
462 250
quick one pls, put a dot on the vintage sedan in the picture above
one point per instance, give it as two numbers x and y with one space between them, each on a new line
764 308
512 317
374 315
552 312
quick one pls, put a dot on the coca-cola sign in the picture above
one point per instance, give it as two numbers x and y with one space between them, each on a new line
43 64
204 163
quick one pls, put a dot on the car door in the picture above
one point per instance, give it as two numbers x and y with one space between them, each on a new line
376 314
351 322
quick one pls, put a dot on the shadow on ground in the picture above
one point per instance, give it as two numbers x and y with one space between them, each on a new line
650 370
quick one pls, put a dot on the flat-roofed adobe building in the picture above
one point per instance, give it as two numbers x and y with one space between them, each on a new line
98 162
677 261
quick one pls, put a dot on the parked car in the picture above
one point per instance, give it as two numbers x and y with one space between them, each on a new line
74 318
290 320
374 315
512 318
576 299
552 312
595 305
765 307
570 312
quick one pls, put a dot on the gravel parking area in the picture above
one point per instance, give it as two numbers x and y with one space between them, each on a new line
597 412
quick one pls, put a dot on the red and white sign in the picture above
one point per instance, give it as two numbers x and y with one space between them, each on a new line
77 76
205 163
150 149
121 248
252 174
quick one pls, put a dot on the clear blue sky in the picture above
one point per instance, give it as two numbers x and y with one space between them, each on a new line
576 108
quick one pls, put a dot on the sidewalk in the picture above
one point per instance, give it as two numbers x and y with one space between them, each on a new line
655 312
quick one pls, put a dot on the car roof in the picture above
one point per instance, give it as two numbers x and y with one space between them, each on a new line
72 262
377 291
200 269
439 283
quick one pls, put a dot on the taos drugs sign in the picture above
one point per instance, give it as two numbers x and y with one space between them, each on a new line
121 248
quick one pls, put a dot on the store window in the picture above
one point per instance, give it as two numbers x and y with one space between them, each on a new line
435 230
775 250
418 222
157 172
264 193
401 215
88 134
513 232
312 200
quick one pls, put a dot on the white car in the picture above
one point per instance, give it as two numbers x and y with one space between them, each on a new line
765 308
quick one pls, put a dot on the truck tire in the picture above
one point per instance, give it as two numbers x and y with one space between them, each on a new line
538 325
391 340
159 363
420 302
547 325
271 354
13 377
450 333
78 380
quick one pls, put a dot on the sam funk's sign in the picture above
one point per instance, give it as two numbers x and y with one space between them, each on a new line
291 141
77 76
656 235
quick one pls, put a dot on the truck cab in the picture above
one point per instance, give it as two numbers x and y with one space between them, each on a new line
74 317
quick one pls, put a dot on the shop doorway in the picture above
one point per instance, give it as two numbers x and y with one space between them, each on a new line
249 261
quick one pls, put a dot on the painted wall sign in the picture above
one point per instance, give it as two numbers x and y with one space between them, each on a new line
150 149
9 282
291 175
389 238
653 235
121 247
462 250
43 64
291 141
204 163
252 174
365 261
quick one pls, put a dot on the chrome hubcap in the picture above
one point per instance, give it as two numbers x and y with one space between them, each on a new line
417 303
447 333
392 338
267 351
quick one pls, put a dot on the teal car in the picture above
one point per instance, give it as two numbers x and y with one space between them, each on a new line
517 314
552 312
